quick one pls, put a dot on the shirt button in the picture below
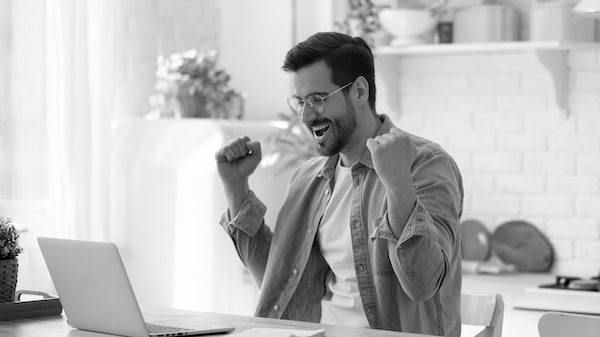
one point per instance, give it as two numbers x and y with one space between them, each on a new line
295 271
356 224
327 192
275 307
310 231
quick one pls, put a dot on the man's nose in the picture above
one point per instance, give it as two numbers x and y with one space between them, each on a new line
307 114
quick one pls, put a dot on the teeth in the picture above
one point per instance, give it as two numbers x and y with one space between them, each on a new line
320 127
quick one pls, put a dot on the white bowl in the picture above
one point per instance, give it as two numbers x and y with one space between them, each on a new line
408 26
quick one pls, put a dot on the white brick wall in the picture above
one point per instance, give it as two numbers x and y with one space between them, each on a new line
573 228
521 158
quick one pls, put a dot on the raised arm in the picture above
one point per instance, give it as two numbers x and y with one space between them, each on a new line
244 220
424 195
236 161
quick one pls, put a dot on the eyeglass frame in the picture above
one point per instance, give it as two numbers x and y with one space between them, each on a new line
312 107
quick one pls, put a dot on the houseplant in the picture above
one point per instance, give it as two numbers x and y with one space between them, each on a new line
189 84
362 20
9 250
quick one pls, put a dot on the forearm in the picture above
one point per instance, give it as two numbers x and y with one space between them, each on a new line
235 195
403 199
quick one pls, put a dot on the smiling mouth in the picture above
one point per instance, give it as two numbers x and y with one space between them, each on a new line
321 129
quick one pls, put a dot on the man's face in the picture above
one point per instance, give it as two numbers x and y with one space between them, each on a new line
333 129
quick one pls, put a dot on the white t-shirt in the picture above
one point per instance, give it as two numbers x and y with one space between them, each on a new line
341 305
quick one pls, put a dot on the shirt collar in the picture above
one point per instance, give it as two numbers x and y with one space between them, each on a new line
328 170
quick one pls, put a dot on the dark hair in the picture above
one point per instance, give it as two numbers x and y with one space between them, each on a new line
348 57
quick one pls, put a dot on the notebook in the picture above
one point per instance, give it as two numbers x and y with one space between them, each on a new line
95 291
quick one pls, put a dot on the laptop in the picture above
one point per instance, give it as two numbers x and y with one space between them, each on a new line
96 294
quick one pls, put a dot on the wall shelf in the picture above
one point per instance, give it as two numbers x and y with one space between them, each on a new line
492 47
551 54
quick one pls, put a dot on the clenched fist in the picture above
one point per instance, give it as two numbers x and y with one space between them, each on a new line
238 159
393 155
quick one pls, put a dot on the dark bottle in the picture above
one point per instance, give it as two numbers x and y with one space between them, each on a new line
445 27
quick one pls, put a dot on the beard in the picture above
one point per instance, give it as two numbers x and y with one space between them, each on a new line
340 133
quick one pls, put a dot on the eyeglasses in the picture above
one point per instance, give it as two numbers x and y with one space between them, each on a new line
315 101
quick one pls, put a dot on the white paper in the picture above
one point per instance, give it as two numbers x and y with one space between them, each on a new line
471 330
269 332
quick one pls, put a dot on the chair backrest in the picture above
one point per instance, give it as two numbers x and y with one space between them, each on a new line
555 324
483 309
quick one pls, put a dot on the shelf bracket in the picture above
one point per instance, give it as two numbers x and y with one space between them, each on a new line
555 61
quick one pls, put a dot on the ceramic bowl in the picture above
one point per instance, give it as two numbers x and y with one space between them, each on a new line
408 26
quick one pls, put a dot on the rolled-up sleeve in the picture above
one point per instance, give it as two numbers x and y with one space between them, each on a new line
251 236
249 219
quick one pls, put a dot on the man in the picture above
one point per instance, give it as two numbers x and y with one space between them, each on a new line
368 234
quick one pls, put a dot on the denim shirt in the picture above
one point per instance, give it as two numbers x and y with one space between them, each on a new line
409 280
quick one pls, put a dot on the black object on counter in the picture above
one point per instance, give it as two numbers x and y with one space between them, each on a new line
445 27
573 283
445 31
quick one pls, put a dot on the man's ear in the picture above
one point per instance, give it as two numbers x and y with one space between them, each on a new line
362 89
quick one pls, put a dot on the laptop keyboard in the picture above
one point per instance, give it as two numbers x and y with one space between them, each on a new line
157 328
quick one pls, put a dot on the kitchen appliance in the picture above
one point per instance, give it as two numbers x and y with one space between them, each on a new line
485 23
555 21
574 283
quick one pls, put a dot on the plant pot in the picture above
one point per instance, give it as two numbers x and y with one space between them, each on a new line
192 106
8 280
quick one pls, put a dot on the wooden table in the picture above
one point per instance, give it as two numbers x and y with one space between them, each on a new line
56 326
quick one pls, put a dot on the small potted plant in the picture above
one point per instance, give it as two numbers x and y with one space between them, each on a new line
362 20
189 84
9 250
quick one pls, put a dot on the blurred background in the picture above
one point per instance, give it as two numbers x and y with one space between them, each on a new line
96 145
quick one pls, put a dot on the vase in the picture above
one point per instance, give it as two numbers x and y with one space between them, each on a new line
192 106
8 280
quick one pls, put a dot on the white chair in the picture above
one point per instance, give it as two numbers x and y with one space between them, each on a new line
560 324
483 309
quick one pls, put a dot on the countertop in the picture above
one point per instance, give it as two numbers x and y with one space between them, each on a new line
524 304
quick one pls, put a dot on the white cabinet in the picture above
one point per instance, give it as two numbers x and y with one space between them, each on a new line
167 200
